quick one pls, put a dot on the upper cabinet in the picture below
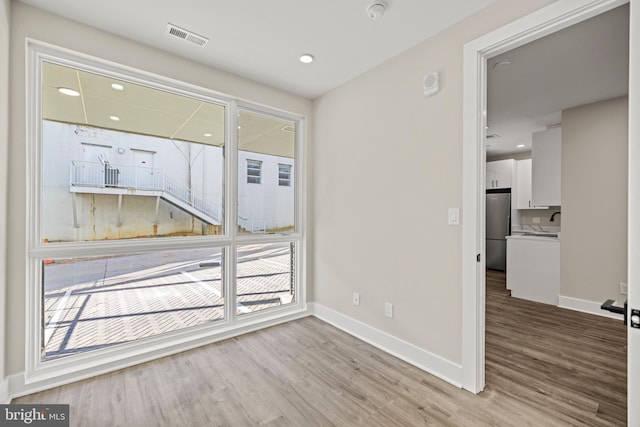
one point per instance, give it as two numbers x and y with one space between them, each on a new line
500 174
523 185
545 165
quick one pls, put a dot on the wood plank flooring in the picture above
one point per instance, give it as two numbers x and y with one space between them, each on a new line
545 367
571 364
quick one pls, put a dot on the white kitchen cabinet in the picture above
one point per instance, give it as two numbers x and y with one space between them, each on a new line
523 186
533 268
546 167
500 174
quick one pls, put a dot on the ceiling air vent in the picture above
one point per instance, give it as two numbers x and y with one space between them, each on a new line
186 35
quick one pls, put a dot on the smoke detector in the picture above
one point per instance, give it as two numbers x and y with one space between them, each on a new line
376 9
187 35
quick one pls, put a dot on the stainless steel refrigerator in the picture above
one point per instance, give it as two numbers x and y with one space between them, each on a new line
498 226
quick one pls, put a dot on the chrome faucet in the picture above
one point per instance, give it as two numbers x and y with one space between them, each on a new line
554 215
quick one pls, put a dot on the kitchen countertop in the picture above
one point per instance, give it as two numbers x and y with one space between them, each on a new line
550 238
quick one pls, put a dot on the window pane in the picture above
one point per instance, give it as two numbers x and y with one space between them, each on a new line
284 175
264 276
266 145
96 302
122 160
254 172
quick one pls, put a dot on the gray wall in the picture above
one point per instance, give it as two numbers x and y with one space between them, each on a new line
594 200
387 166
30 22
4 142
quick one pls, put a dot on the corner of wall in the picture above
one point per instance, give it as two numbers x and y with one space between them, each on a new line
4 142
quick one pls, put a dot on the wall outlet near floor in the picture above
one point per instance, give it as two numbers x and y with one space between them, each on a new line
388 309
356 298
624 288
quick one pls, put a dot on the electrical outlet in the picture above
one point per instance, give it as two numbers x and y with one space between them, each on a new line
536 220
388 309
624 288
356 298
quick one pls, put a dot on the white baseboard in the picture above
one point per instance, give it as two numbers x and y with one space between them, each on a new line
5 396
429 362
586 307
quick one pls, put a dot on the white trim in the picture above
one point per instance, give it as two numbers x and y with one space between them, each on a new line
5 395
586 306
633 239
432 363
547 20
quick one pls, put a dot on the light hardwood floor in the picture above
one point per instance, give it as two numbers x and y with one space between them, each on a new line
545 367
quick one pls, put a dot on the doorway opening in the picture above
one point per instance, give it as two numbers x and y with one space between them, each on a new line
547 21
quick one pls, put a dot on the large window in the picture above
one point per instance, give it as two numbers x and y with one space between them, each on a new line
134 241
266 144
121 160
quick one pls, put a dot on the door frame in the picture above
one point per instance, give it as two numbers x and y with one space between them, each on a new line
543 22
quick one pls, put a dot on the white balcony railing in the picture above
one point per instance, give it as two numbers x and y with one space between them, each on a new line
99 175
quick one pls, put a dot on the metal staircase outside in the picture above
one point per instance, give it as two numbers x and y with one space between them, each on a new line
105 175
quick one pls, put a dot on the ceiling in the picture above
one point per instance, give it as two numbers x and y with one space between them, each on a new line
584 63
262 40
148 111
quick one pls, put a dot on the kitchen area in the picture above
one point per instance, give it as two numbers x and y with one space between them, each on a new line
523 219
556 166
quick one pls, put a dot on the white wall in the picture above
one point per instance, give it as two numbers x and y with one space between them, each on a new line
29 22
266 205
387 166
4 142
594 200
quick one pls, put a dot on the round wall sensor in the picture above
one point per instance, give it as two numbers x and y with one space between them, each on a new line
431 84
376 10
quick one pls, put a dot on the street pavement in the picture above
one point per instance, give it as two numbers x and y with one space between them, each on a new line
98 302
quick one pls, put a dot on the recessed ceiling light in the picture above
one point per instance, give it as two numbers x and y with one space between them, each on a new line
117 86
306 58
208 135
67 91
115 118
520 146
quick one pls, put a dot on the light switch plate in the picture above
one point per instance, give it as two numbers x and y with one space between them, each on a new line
454 216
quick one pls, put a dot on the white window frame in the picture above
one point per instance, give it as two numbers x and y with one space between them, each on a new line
257 178
39 373
287 180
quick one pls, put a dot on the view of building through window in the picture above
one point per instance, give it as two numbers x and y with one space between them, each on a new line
122 160
265 144
128 162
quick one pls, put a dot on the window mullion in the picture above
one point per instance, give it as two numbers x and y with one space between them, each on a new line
231 211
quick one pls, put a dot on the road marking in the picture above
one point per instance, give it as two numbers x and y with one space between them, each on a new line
51 325
194 279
